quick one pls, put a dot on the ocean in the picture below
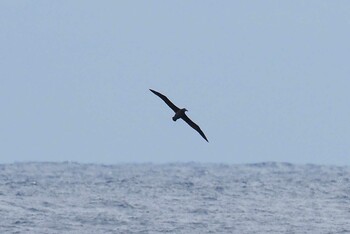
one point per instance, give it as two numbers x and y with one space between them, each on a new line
68 197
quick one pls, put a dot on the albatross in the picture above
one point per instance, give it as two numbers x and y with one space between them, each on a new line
180 114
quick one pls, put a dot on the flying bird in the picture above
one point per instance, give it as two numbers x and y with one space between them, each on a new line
180 113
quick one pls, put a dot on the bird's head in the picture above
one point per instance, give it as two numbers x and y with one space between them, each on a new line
185 110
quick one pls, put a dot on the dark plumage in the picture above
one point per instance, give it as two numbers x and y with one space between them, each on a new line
180 113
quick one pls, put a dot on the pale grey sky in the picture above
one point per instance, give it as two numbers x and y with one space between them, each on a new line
265 80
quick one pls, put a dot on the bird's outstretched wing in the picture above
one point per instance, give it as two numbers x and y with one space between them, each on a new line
166 100
194 126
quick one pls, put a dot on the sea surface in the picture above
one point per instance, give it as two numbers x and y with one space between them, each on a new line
174 198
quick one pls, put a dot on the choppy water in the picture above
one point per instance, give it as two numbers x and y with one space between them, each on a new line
174 198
